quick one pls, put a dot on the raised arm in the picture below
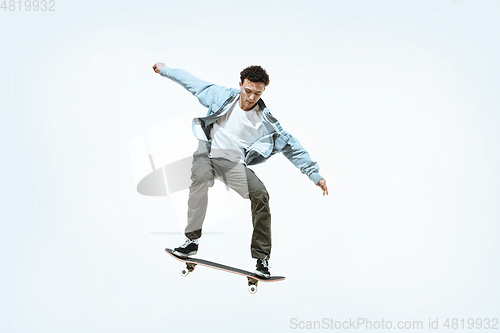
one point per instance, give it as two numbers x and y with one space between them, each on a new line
204 91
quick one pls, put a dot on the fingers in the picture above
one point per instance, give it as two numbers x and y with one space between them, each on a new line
322 185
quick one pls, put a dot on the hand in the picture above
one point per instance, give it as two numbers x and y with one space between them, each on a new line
158 66
322 184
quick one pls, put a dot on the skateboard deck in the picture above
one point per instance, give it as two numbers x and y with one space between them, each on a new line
252 277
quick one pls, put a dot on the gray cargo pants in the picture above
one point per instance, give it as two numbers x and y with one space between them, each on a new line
242 180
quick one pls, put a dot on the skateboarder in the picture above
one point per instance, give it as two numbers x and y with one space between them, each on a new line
237 132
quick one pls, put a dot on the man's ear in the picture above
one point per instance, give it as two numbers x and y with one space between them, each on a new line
240 83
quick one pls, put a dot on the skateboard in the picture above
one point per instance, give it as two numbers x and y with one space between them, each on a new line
252 278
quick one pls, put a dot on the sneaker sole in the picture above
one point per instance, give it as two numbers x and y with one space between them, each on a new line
259 273
185 255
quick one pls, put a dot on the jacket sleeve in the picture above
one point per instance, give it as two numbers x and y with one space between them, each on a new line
204 91
296 154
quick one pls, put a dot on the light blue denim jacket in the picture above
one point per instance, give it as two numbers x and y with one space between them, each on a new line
218 100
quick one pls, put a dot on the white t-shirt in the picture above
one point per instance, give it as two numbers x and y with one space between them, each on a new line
236 131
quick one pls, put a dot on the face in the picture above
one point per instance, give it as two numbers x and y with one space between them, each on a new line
250 94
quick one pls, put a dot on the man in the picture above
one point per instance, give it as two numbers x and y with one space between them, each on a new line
238 131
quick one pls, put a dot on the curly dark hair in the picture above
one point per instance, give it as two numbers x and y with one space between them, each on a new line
255 74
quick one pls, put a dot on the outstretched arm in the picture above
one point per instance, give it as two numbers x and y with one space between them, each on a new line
204 91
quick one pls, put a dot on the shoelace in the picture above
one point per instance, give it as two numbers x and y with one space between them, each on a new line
188 241
265 263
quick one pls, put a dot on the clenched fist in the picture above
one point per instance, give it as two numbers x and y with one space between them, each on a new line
158 66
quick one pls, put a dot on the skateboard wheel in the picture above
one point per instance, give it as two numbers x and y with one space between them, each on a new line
252 289
184 272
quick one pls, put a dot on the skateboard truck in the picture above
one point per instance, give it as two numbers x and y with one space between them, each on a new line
189 268
252 285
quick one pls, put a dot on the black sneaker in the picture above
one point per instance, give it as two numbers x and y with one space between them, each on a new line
189 248
263 268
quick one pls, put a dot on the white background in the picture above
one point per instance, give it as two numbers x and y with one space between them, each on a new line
398 101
